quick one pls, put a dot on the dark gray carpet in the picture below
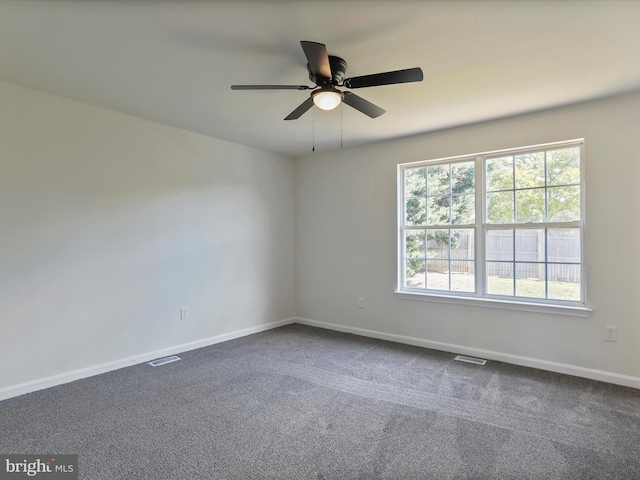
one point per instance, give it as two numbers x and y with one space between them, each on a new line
306 403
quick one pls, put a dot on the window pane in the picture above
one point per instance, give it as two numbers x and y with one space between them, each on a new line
564 282
415 211
438 244
415 182
563 166
564 245
462 244
438 210
499 245
564 204
530 205
529 169
414 244
463 277
530 245
530 280
414 273
463 209
463 177
500 207
438 180
500 278
500 174
438 274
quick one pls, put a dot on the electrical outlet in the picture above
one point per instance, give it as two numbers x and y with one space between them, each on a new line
360 302
184 313
611 334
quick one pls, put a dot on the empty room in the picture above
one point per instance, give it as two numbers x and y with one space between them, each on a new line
321 240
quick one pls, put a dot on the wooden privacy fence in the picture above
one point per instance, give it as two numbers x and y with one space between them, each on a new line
563 255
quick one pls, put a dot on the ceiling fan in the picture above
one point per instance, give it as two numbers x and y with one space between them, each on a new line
328 72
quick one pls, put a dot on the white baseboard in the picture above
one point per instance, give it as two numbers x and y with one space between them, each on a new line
52 381
66 377
609 377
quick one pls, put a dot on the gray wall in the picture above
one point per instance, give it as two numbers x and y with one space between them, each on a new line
111 223
346 231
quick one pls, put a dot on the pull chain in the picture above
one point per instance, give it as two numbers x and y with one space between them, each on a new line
340 124
313 128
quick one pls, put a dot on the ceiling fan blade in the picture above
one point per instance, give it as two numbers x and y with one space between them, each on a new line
298 112
318 59
269 87
387 78
362 105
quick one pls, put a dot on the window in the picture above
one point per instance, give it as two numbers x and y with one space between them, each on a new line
502 225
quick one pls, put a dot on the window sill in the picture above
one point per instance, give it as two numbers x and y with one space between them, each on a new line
574 311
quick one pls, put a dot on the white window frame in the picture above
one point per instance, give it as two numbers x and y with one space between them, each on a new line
481 227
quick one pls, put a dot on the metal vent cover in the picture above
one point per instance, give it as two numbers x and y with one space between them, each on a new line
164 361
464 358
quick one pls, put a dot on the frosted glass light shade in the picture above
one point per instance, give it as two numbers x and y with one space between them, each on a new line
326 99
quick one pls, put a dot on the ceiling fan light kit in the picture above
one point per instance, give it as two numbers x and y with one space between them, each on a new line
328 72
327 98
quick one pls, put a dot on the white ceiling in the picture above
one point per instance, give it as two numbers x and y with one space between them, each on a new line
174 61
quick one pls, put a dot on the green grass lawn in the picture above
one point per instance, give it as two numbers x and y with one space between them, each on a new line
525 287
529 287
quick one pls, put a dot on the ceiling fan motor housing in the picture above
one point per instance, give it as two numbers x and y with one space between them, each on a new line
338 71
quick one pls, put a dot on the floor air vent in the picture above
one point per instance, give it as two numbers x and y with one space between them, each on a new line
477 361
164 361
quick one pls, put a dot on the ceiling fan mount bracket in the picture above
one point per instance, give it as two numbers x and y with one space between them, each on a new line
338 71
